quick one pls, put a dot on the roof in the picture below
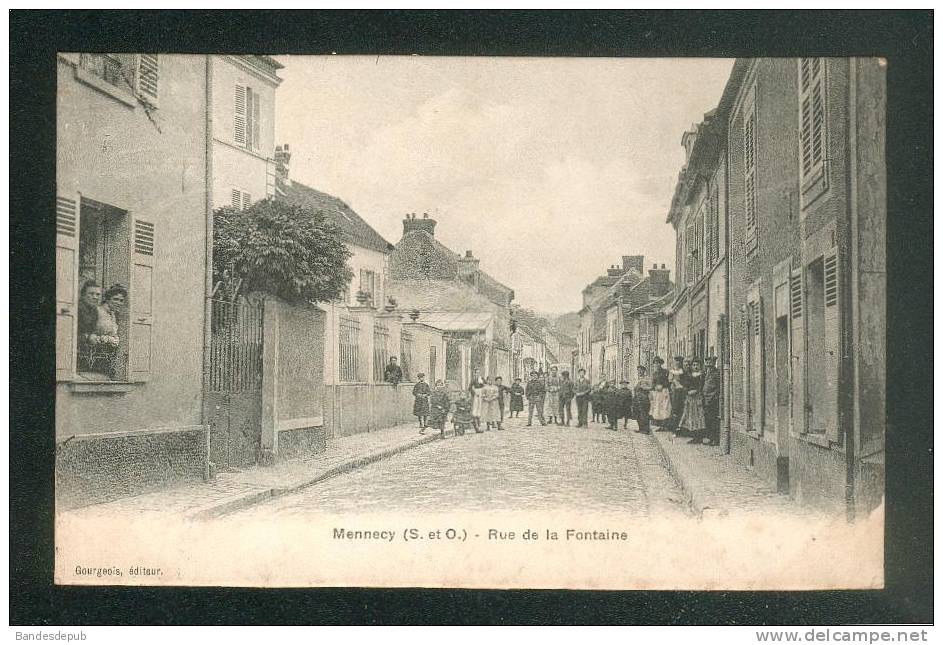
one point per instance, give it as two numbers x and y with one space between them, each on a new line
488 280
355 230
457 320
650 306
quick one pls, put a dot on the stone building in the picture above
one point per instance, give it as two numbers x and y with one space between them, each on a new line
132 208
805 217
429 278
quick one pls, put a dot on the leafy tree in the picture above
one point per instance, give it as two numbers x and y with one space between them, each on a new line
279 249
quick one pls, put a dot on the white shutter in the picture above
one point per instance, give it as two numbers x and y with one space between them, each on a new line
147 78
811 117
832 345
236 198
67 287
759 368
246 200
749 170
256 121
239 116
797 359
142 301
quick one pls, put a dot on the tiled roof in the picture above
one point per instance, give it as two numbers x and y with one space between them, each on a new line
442 248
356 231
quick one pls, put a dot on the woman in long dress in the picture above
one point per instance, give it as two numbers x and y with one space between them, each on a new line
517 398
693 419
676 392
660 395
551 399
475 388
490 410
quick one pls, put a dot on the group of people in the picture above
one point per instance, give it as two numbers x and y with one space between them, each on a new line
684 400
98 327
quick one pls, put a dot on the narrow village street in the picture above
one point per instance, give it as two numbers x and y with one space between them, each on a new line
516 469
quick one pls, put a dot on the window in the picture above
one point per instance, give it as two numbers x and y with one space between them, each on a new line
241 200
102 249
812 127
823 345
749 169
368 285
137 74
247 118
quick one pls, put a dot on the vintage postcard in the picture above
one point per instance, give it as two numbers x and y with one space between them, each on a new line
404 321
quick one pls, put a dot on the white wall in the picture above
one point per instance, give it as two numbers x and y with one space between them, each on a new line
234 165
368 260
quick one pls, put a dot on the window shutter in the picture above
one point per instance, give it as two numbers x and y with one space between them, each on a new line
832 344
749 171
236 198
811 115
246 200
797 351
67 287
745 344
142 301
148 78
757 370
239 117
256 127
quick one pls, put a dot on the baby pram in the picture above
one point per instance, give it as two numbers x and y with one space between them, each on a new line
462 418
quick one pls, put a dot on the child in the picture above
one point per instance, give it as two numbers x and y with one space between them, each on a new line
517 398
421 393
439 407
463 419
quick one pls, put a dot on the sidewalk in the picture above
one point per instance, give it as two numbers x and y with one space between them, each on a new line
232 491
714 484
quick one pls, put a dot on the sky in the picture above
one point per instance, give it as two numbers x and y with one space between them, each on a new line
548 169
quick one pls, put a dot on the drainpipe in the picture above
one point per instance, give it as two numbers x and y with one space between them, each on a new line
726 367
208 258
849 257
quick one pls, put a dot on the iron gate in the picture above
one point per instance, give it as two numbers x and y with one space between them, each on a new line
233 400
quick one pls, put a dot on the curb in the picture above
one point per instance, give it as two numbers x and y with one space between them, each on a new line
241 503
693 497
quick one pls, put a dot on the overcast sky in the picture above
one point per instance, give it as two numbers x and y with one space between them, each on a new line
548 169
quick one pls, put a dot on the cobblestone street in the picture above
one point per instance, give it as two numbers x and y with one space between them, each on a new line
516 469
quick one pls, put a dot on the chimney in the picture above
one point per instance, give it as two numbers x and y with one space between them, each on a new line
659 280
614 271
412 223
636 262
468 267
282 159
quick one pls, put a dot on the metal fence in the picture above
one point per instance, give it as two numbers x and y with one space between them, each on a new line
349 349
406 355
381 350
236 347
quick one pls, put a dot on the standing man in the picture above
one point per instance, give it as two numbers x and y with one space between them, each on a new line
678 392
626 411
566 397
502 389
582 390
711 397
535 392
393 372
642 401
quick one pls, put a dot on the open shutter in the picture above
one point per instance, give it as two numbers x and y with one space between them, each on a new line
756 364
256 127
142 301
745 338
67 283
236 199
148 78
797 351
832 345
239 117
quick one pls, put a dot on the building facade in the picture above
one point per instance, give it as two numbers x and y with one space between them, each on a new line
243 126
805 141
133 199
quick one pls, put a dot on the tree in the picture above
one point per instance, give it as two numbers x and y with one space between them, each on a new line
279 249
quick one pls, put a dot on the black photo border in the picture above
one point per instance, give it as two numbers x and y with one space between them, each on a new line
904 38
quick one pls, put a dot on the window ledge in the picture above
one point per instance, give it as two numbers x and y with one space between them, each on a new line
105 87
249 151
102 387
